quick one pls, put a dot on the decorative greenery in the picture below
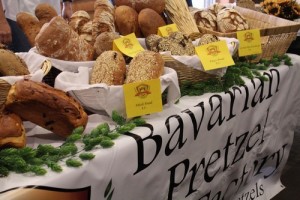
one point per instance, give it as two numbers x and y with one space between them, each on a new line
72 152
244 66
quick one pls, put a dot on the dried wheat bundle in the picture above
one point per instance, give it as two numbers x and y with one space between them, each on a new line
178 12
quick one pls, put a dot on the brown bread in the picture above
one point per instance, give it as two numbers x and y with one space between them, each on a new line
149 21
45 12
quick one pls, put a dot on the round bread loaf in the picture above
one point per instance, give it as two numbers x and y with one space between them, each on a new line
138 5
11 64
146 65
12 131
78 19
45 12
149 21
109 68
126 20
206 19
230 20
208 38
30 25
45 106
152 42
104 42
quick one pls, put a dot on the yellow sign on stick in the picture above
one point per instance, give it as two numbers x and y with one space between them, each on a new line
165 31
128 45
142 98
250 42
214 55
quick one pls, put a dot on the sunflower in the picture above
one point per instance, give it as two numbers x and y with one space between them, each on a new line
273 9
286 9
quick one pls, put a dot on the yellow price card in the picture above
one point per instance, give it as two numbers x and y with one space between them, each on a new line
165 31
214 55
250 42
142 98
128 45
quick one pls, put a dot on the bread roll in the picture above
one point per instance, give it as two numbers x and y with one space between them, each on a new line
126 19
104 42
12 131
146 65
29 24
138 5
86 32
11 64
152 42
44 12
149 21
45 106
109 68
58 40
78 19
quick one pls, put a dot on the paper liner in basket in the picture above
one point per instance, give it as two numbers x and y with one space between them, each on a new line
103 99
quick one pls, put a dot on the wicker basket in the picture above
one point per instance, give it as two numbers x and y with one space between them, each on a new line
277 34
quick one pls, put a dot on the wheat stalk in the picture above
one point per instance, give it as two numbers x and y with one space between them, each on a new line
178 12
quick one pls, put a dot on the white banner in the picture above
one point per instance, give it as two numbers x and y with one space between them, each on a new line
231 145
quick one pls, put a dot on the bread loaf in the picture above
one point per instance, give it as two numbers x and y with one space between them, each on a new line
230 20
12 131
146 65
78 19
126 19
86 32
11 64
152 42
58 40
45 106
44 12
109 68
104 42
138 5
206 19
149 21
29 24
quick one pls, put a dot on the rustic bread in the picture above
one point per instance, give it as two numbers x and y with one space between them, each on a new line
109 68
208 38
138 5
126 19
78 19
86 32
152 42
58 40
149 21
104 42
146 65
11 64
230 20
12 131
29 24
206 19
45 12
45 106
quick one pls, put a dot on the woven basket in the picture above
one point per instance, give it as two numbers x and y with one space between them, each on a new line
276 33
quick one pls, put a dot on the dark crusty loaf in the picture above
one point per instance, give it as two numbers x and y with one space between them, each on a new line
109 68
146 65
12 131
45 106
58 40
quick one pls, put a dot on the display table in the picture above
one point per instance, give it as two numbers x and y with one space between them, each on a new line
230 145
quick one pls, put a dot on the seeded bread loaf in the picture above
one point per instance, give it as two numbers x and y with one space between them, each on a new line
146 65
109 68
45 106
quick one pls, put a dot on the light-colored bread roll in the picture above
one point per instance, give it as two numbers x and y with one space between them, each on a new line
149 21
86 32
45 12
104 42
45 106
109 68
58 40
29 24
12 131
138 5
78 20
126 19
152 42
146 65
11 64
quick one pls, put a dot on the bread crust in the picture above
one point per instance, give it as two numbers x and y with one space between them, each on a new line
11 64
46 106
44 12
149 21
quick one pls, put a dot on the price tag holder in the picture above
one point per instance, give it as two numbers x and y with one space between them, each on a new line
128 45
165 31
250 42
214 55
142 98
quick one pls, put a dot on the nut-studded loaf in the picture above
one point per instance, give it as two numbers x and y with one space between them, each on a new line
58 40
12 131
45 106
11 64
146 65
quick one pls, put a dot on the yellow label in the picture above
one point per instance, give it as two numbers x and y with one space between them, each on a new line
165 31
142 98
250 42
214 55
128 45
